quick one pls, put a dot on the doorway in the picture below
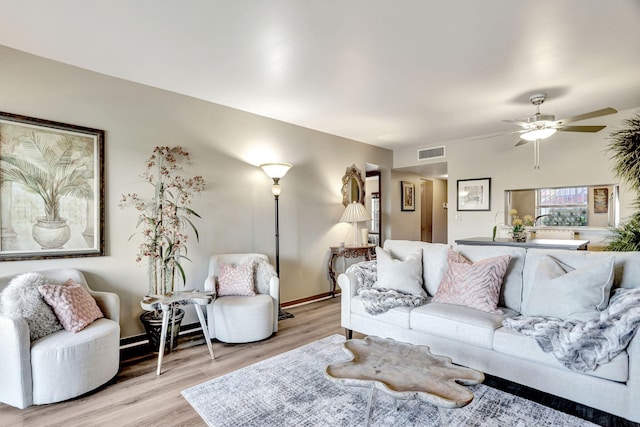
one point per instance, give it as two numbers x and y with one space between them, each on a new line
433 207
373 203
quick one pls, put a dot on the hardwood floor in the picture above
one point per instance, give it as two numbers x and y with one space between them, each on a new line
137 397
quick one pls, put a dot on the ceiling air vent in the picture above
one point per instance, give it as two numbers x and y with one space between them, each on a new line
431 153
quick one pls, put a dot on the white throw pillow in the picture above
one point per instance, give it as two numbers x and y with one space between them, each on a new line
562 291
21 299
403 275
264 273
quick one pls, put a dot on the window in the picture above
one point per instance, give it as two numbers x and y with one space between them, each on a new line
563 206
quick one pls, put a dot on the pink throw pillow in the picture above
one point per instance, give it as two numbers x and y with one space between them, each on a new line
72 304
236 280
475 285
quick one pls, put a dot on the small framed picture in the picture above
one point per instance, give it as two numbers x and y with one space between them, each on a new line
600 200
474 194
408 192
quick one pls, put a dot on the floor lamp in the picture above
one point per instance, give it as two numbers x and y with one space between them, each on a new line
276 171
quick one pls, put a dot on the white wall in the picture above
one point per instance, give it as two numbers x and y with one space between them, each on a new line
237 207
567 159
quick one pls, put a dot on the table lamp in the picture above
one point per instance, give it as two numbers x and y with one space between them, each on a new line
355 213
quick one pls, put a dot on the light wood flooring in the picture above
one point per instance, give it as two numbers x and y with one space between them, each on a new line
137 397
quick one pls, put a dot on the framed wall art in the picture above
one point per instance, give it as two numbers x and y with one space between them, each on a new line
52 189
601 200
408 196
474 194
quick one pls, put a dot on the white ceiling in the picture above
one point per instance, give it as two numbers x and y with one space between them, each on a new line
389 73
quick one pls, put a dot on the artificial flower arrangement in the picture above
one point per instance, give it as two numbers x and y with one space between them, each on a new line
165 218
518 224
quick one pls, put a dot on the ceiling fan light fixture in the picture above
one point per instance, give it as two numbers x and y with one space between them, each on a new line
537 134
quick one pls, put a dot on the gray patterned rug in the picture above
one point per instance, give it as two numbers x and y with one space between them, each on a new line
290 390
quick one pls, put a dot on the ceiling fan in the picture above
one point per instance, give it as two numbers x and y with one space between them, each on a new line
541 126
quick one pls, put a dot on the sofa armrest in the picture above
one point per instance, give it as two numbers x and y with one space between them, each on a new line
210 283
109 304
348 285
15 369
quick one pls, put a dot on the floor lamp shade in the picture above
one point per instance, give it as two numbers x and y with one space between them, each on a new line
355 213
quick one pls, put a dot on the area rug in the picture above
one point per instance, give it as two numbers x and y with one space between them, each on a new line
290 390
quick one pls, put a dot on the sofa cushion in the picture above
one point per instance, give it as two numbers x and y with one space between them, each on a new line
516 344
434 259
511 292
458 323
403 275
475 285
563 291
398 316
67 364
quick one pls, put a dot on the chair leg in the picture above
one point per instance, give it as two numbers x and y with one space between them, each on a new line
348 333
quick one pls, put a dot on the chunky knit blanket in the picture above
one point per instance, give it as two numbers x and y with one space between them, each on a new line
379 300
583 346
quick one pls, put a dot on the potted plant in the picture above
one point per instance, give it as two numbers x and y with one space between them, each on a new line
165 220
51 170
624 151
518 225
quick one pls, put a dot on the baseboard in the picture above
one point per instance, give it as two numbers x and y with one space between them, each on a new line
138 344
141 339
308 300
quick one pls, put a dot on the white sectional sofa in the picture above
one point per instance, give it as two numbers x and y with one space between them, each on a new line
478 339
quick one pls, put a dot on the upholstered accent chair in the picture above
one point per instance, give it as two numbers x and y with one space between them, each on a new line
243 318
63 364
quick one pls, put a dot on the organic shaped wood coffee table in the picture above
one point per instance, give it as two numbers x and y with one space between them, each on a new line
404 371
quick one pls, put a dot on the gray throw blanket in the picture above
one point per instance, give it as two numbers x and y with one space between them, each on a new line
379 300
583 346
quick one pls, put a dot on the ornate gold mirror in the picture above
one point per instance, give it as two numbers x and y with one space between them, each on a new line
352 186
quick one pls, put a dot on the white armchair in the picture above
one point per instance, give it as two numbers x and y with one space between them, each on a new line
240 319
63 364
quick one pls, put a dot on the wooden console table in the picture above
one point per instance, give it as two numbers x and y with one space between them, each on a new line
366 251
164 303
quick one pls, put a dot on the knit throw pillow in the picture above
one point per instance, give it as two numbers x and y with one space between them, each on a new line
73 305
236 280
21 299
475 285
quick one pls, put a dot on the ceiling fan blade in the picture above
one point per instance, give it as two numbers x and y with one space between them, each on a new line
580 128
597 113
516 121
493 135
521 142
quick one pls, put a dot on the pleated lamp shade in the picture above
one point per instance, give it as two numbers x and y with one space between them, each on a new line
355 213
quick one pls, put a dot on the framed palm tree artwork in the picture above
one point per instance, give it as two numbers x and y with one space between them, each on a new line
51 189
